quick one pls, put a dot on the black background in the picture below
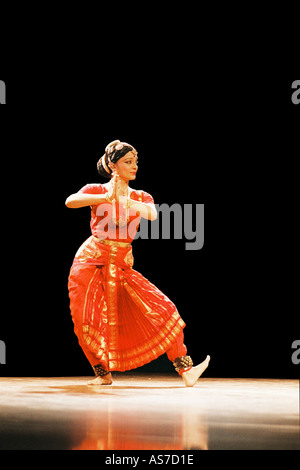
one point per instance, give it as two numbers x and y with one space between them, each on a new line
228 140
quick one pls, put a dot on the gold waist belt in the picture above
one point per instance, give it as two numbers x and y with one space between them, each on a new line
113 243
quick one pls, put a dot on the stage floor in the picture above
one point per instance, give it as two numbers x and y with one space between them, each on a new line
149 412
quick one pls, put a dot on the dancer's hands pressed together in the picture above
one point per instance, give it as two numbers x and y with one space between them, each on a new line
114 191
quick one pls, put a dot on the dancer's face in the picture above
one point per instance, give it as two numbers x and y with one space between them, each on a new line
127 166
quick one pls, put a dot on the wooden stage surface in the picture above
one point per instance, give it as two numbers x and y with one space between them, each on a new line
153 412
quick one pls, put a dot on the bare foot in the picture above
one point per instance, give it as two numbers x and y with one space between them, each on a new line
190 377
106 380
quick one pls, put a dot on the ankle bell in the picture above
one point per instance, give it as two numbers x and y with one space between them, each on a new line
183 364
100 371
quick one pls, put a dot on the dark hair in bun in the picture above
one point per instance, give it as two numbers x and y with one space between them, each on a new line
113 152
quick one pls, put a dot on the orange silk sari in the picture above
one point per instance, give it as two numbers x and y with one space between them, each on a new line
121 319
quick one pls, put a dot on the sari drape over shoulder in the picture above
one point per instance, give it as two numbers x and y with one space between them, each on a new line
121 319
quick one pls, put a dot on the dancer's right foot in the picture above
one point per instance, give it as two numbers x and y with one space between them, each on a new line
105 380
191 376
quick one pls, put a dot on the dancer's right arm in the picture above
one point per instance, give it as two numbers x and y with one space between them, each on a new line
77 200
89 195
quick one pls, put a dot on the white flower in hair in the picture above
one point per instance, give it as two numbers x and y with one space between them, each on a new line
111 145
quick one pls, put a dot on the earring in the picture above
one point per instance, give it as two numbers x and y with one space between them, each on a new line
114 172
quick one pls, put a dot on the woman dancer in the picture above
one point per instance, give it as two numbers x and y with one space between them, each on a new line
122 321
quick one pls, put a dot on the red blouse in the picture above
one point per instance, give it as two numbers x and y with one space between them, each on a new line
102 225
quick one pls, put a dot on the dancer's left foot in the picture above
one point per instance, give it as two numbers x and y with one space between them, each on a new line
190 377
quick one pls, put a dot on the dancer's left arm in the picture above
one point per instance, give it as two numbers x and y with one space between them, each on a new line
145 210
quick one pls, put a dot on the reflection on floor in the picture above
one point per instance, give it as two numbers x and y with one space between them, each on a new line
149 412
